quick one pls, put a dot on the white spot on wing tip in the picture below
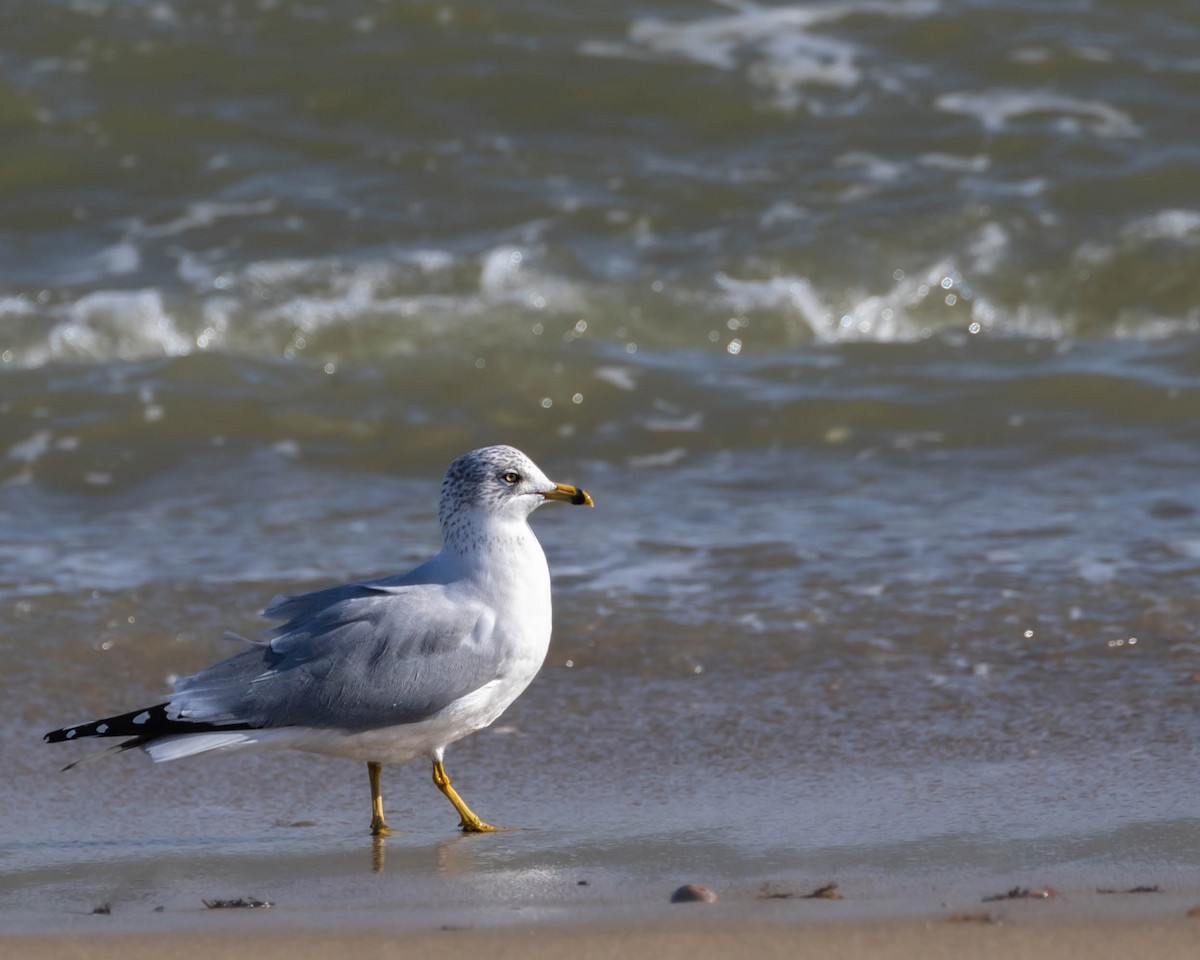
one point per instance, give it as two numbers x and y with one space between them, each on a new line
103 728
142 717
71 734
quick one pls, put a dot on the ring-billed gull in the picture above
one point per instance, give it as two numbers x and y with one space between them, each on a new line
387 670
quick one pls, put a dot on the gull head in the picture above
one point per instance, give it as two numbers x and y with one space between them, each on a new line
499 483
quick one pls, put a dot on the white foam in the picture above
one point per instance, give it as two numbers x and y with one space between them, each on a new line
31 448
203 213
871 166
784 211
1030 55
17 306
997 108
194 270
273 272
1181 226
790 61
612 50
118 260
977 163
623 378
987 248
667 458
130 324
903 311
508 275
776 47
514 274
353 295
681 424
500 271
866 320
430 261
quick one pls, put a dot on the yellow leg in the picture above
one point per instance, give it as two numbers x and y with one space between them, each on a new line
378 827
468 821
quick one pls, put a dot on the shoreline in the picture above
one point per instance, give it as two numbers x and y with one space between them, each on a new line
695 932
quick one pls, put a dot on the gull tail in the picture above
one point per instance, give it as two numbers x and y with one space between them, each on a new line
189 744
163 737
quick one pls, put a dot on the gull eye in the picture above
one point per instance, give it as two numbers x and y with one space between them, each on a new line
510 477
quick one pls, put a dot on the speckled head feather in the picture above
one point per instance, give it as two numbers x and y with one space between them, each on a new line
499 482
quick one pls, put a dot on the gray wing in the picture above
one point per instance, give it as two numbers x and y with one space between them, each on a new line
354 658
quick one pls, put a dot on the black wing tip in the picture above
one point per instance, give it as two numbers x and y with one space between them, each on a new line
132 724
63 734
73 732
143 726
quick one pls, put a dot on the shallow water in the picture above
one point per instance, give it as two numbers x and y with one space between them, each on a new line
872 329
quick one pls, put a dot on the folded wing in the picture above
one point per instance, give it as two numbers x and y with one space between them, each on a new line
354 658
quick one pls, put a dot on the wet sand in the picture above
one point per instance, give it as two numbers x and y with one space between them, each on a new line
516 895
696 936
600 840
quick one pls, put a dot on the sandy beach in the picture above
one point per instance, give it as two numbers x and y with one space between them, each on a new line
387 906
696 936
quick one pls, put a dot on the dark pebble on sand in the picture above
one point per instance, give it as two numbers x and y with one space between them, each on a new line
693 893
827 891
972 918
238 903
1023 893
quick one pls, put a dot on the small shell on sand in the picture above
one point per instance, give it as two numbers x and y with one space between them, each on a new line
693 893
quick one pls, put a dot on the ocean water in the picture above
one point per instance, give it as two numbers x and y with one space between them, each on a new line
872 327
